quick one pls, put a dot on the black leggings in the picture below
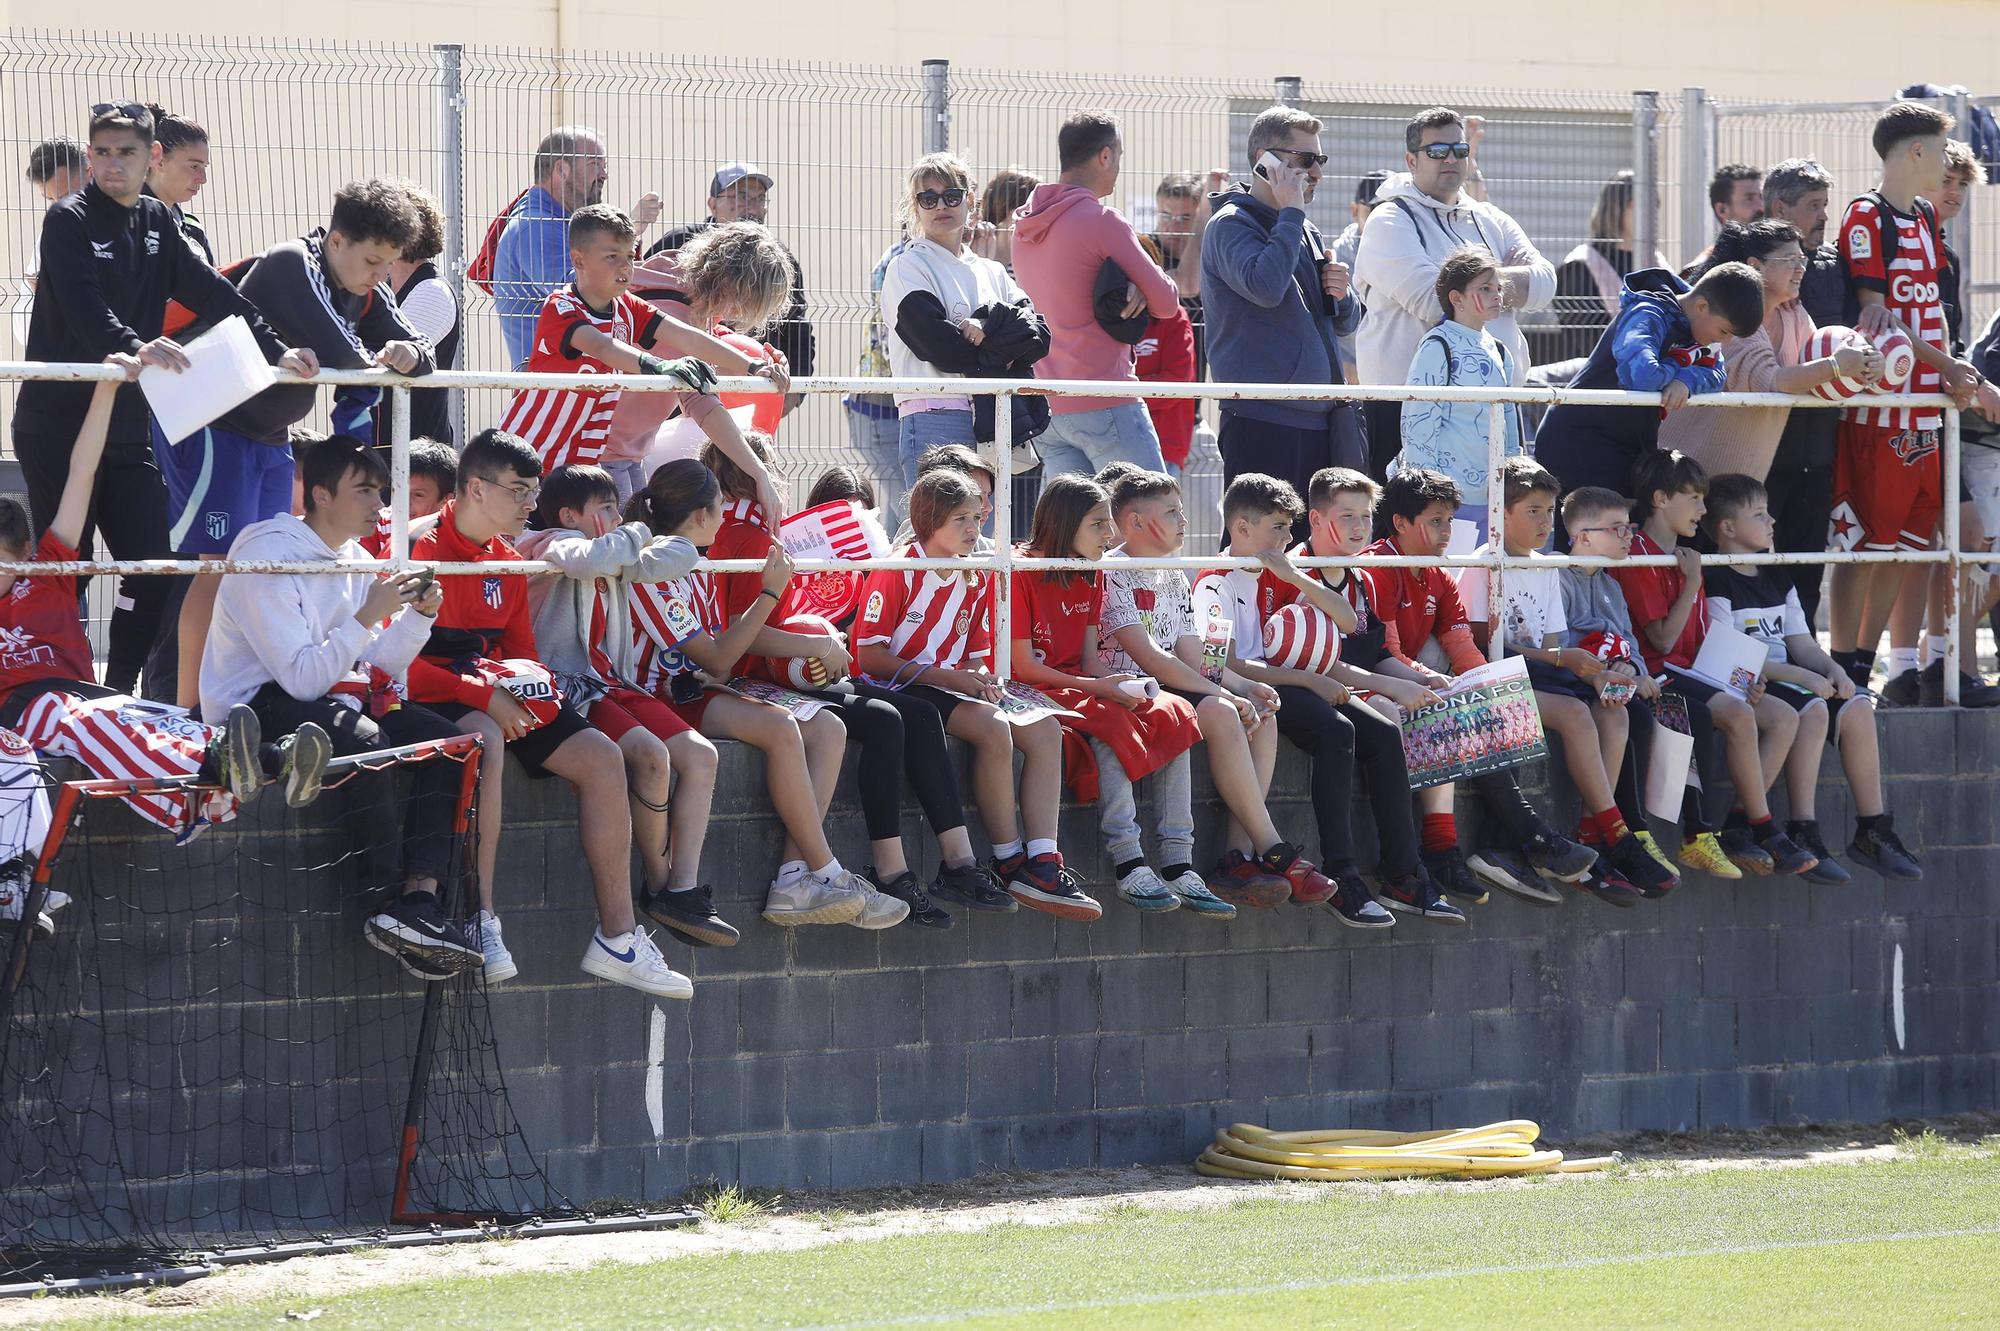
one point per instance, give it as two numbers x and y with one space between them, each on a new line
1339 740
434 786
898 733
130 505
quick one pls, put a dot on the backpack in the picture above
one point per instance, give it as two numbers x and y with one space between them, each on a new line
480 270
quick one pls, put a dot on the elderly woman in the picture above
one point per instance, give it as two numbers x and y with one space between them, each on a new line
1771 360
949 313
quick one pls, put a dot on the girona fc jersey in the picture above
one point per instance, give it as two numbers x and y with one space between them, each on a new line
569 425
932 618
41 630
1900 255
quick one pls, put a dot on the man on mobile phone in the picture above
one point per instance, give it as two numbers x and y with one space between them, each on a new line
328 648
1277 304
1422 214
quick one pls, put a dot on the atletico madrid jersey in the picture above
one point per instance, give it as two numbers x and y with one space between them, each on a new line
932 618
569 425
1901 256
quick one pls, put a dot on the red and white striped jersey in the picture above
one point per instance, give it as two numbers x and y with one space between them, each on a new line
931 618
664 616
569 425
1900 255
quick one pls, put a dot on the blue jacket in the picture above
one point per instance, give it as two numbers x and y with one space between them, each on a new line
531 261
1269 321
1592 445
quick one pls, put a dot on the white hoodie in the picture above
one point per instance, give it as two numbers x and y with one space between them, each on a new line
1395 272
298 629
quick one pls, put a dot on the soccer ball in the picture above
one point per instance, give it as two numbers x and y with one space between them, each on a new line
803 672
1898 359
1824 343
1301 637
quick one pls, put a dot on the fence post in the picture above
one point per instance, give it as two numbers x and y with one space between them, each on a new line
1961 226
399 476
1645 178
1289 89
451 189
1003 535
1954 607
1697 166
937 106
1496 530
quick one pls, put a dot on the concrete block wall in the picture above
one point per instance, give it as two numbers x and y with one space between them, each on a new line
832 1057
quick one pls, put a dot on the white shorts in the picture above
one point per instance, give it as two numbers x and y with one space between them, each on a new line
1979 472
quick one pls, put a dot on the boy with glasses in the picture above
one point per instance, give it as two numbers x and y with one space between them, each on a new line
480 669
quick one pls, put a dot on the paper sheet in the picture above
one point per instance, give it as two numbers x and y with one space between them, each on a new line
227 369
1730 660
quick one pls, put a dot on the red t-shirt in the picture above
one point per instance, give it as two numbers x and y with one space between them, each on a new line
481 617
569 425
1419 604
41 627
1649 594
1051 615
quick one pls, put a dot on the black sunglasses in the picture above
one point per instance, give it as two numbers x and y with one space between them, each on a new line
1437 152
930 198
133 110
1306 161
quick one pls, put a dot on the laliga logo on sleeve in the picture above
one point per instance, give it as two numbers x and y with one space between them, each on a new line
874 610
1860 244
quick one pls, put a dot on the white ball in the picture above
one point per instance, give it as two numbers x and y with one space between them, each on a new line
1824 343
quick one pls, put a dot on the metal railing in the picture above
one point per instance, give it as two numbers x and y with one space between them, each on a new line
1004 561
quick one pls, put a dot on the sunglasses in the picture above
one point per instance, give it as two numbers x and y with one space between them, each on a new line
930 198
1437 152
131 110
1304 160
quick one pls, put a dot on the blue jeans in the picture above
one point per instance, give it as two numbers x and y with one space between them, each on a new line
877 440
1083 442
926 430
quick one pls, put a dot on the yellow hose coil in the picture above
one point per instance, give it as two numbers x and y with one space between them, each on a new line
1497 1150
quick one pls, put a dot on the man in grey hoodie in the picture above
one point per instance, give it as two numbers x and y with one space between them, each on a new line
1277 303
314 647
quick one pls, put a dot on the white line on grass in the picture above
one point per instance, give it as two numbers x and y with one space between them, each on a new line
1392 1278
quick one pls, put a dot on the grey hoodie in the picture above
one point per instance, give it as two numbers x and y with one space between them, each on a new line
563 604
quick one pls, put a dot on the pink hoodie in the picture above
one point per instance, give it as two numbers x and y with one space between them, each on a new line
1061 238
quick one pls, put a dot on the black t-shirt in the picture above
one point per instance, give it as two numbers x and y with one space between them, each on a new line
1761 601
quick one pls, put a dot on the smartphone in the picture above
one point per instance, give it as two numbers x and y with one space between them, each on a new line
1266 164
425 578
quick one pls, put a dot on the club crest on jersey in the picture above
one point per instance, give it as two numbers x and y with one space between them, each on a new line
489 591
964 620
12 745
217 525
1860 243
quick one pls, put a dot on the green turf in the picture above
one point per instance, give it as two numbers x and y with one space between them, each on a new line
1909 1242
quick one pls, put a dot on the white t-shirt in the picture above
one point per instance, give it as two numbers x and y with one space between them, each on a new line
1226 600
1534 605
1155 598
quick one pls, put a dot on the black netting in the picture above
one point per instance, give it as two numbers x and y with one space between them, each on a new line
207 1053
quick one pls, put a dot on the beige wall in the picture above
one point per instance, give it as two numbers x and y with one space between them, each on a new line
1786 49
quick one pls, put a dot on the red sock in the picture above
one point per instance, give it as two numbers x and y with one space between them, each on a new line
1440 831
1586 830
1611 825
1765 821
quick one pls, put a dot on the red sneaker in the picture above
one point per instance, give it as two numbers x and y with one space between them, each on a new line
1043 884
1309 885
1246 882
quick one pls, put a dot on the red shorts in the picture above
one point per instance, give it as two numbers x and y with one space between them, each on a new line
1888 488
622 711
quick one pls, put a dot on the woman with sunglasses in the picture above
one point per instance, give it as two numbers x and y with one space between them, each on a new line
950 313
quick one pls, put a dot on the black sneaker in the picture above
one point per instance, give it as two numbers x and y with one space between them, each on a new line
1787 856
689 915
1557 858
1906 689
1884 851
1629 861
1828 870
1606 885
1743 851
974 887
1972 690
924 913
428 972
236 754
413 924
1448 869
1510 873
1416 894
1355 906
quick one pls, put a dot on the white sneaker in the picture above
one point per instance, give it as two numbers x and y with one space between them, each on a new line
14 895
811 899
879 910
1145 891
500 965
635 963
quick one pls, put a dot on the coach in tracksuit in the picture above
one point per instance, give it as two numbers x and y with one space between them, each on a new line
111 258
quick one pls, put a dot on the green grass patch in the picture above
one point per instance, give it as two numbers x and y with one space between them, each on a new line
1912 1241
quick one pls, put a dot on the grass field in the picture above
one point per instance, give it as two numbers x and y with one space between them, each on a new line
1912 1240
